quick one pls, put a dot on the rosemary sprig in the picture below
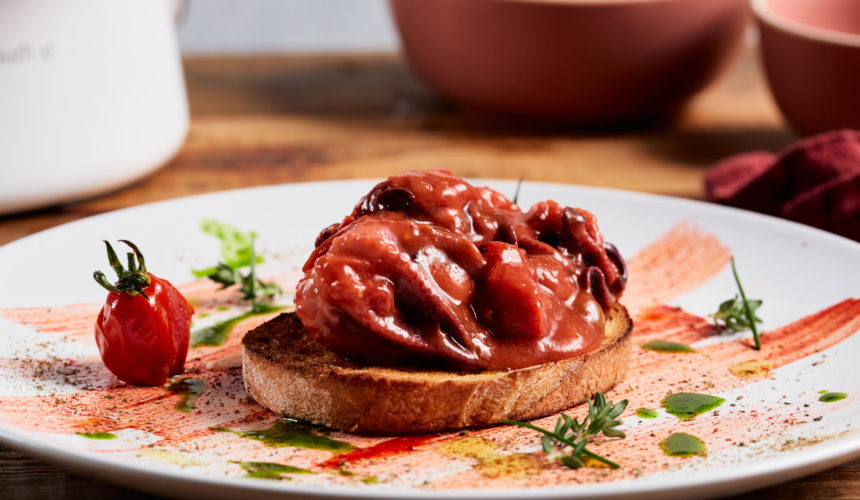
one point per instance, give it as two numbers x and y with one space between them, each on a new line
574 435
738 313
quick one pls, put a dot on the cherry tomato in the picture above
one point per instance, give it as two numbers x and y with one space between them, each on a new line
143 328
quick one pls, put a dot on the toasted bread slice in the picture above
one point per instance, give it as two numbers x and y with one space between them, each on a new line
289 372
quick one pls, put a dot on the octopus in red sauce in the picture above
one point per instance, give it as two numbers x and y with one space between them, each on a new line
431 271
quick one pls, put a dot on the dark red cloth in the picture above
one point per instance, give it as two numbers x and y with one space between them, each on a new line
814 181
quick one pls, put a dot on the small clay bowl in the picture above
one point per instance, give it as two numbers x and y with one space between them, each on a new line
585 61
811 54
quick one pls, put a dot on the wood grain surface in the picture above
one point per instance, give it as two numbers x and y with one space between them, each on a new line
268 120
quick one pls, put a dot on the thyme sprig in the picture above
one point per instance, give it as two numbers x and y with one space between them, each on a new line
739 313
571 434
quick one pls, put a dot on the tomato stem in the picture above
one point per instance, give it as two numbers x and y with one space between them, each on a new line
131 281
102 280
137 253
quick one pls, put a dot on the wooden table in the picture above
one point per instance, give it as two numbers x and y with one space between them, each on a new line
268 120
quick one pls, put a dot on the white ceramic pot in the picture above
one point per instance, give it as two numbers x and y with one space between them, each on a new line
92 97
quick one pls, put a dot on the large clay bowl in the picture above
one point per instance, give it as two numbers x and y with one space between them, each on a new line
586 61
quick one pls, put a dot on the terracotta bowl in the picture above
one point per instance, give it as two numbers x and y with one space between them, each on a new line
811 53
589 61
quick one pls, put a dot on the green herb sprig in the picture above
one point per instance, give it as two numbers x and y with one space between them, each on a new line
517 192
237 251
234 246
571 434
739 313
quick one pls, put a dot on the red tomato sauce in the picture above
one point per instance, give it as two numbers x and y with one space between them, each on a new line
430 270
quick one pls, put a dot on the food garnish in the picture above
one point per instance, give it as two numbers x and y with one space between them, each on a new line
832 397
270 470
189 389
738 313
687 405
235 246
216 334
667 346
143 328
574 435
646 413
237 251
517 191
290 432
97 435
751 368
681 444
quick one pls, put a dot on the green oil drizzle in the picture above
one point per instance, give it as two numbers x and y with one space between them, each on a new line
189 389
822 391
682 444
216 334
646 413
832 397
667 346
348 473
97 435
686 405
288 432
270 470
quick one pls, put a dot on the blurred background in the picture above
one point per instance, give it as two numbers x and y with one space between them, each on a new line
166 98
271 26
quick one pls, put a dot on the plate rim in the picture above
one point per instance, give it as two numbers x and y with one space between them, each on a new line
609 191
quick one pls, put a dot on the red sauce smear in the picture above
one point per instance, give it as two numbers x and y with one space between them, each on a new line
678 262
76 321
428 269
390 447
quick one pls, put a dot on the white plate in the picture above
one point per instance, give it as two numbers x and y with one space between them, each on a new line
795 269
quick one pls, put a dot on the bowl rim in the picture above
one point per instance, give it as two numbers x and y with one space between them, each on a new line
583 3
767 16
